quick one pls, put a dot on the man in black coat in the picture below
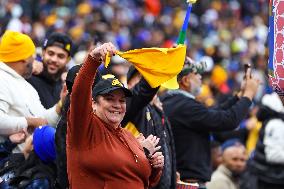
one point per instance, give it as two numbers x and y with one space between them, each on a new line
151 120
55 56
192 122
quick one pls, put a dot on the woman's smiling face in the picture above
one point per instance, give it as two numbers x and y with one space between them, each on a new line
111 107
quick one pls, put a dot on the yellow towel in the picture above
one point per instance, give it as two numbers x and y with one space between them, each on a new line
157 65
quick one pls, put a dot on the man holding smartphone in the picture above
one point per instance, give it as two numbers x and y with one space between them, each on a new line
192 122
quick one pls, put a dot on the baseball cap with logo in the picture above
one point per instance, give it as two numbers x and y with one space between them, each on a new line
109 83
60 40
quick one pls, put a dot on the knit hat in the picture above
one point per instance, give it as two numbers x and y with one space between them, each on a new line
15 46
44 143
60 40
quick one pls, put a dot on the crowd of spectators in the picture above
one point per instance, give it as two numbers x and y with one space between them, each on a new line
226 34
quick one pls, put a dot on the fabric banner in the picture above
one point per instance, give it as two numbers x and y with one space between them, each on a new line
276 46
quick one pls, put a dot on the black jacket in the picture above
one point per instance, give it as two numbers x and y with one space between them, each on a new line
152 120
60 144
192 123
48 89
143 93
148 119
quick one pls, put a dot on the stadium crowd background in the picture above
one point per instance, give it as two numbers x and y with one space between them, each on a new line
225 33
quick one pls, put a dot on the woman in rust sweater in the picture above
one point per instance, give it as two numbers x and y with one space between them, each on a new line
101 154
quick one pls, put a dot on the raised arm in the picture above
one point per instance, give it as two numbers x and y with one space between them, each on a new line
80 112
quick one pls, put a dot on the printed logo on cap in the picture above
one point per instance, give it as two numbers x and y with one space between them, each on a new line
67 47
116 82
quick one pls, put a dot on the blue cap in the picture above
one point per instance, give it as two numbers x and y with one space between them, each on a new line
231 142
44 143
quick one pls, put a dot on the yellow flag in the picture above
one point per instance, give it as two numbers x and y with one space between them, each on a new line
171 84
132 129
107 61
157 65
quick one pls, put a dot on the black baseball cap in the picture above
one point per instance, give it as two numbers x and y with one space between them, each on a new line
109 83
73 72
71 75
60 40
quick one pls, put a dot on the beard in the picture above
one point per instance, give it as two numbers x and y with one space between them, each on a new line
195 91
52 77
29 71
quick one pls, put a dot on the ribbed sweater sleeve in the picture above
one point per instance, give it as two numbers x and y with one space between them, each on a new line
80 112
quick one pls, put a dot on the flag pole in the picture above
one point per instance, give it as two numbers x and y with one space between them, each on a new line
172 83
182 33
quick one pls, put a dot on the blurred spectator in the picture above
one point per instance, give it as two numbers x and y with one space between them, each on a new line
227 31
233 165
268 161
9 144
34 168
216 154
151 120
55 56
20 107
192 122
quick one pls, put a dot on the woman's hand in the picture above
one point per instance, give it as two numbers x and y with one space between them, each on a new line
140 139
150 143
157 160
101 51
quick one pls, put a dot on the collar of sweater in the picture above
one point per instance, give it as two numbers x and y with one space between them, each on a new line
225 170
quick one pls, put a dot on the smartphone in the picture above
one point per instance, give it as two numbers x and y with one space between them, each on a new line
246 67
